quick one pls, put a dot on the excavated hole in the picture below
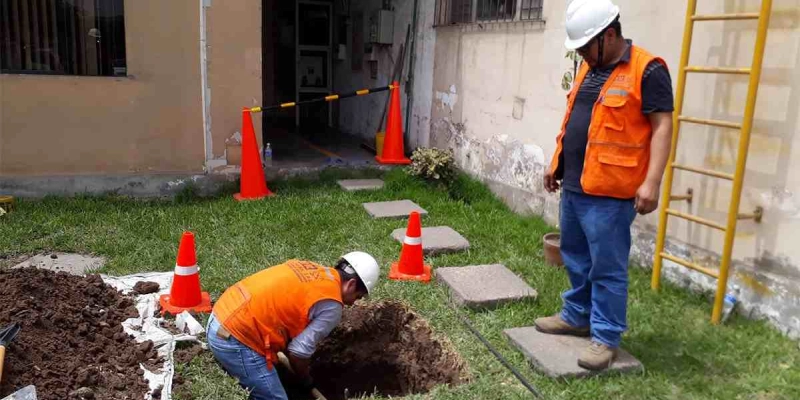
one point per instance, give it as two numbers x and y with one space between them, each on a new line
382 348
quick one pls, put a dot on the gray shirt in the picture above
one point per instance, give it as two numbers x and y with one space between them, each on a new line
324 316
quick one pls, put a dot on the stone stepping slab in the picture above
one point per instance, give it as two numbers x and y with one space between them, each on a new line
437 240
484 286
393 209
557 355
75 264
352 185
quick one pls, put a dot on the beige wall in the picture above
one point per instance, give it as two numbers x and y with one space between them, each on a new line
234 67
150 121
483 72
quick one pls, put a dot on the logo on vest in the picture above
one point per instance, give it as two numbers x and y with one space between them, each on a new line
306 272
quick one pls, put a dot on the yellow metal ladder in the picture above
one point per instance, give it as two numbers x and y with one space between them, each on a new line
744 142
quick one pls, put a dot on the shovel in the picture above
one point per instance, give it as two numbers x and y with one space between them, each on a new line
7 334
285 361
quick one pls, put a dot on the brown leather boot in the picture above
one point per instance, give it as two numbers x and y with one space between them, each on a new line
556 326
597 357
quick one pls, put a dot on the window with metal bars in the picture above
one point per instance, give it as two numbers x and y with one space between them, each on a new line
62 37
531 10
450 12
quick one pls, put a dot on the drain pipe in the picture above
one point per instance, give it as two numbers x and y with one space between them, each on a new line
499 357
205 90
411 62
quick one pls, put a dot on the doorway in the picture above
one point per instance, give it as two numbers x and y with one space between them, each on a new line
298 64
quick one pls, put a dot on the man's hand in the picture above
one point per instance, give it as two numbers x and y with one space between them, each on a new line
550 183
647 197
660 143
300 366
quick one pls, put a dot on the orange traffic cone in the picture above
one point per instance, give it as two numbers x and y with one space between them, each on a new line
253 184
411 266
185 292
393 151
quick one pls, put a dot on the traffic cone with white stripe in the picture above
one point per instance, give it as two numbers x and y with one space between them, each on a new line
411 266
185 293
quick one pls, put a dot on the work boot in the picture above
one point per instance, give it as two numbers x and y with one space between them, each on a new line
597 357
556 326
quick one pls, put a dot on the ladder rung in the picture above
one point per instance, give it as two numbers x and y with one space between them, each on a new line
695 218
718 70
712 122
707 172
690 265
726 17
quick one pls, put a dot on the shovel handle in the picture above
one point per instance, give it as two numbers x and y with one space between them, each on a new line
2 359
317 394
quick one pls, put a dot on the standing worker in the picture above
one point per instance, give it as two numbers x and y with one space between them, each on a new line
610 157
286 308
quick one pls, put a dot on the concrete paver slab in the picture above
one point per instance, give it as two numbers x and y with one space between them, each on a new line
484 286
557 355
352 185
437 240
75 264
393 209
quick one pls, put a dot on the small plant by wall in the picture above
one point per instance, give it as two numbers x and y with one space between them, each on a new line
569 76
433 165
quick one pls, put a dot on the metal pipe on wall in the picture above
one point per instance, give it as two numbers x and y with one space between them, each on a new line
411 62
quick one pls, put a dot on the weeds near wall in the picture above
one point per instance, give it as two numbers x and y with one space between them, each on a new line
433 165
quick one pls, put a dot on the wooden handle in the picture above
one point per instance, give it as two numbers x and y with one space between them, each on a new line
286 363
2 358
317 394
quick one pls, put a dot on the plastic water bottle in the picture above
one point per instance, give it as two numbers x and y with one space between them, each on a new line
267 156
730 302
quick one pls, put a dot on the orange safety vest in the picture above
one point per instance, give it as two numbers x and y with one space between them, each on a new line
266 310
618 150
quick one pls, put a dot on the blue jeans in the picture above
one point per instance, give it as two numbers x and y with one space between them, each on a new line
595 245
246 365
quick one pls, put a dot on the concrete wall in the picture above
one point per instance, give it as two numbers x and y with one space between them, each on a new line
498 103
234 69
150 121
362 116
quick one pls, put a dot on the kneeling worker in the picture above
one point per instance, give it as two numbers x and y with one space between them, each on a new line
287 308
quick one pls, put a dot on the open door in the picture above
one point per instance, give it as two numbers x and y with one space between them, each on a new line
314 36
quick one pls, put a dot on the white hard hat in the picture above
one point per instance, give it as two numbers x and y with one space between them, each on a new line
586 19
366 267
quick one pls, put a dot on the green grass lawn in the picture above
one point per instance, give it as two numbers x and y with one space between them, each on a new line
685 357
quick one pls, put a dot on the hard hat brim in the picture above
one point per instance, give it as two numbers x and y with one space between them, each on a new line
576 44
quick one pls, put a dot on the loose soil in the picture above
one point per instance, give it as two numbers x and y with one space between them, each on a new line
72 344
382 348
185 352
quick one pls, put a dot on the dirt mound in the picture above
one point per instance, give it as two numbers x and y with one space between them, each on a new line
383 348
72 344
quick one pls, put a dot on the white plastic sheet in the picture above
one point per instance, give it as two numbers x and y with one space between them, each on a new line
149 327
